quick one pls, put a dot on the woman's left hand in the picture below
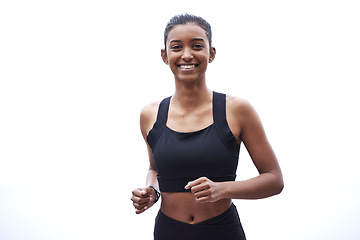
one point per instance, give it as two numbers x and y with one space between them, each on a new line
206 190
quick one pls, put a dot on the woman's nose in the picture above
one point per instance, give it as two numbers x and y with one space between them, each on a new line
187 54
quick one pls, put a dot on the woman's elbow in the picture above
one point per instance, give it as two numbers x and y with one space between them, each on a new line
279 184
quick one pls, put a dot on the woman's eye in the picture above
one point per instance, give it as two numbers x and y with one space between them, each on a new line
176 47
197 46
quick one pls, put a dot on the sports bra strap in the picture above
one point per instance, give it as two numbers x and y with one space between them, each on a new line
160 123
221 124
163 111
219 107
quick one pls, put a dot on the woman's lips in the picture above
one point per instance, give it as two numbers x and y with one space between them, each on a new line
187 66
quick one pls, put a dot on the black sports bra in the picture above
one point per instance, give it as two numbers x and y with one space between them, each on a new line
182 157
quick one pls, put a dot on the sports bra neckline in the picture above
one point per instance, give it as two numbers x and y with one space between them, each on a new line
195 131
190 132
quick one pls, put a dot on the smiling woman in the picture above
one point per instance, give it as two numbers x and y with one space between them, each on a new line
188 51
74 75
193 140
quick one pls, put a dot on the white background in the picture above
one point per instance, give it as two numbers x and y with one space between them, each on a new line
75 74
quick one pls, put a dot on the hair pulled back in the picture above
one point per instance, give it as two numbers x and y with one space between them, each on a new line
188 18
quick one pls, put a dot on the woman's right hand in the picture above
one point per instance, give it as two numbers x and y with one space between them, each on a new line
143 199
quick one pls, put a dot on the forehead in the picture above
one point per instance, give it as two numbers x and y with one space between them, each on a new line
187 31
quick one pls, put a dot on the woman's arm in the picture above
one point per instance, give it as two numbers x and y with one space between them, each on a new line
151 179
269 182
147 120
144 198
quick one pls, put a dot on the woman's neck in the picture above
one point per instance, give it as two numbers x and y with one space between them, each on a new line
191 95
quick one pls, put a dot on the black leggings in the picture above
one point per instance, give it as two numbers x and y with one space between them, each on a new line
226 226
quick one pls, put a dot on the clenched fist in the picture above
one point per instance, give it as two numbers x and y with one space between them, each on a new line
143 199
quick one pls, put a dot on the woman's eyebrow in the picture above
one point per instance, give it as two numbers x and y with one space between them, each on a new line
192 40
175 41
198 39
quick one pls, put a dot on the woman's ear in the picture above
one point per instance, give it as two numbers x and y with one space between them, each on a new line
164 56
212 54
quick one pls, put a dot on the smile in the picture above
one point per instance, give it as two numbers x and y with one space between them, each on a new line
187 67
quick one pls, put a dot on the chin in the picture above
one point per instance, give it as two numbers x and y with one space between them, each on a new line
188 79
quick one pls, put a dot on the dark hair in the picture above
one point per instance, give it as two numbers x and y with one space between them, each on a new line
184 19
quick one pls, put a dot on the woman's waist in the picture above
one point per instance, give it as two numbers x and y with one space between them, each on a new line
183 207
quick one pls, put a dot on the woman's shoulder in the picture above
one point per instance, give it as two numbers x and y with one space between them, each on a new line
148 117
150 109
237 104
241 111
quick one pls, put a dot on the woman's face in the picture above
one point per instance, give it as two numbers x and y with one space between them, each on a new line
188 52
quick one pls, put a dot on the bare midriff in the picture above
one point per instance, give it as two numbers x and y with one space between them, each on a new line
183 207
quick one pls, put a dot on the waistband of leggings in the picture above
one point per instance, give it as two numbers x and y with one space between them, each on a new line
169 219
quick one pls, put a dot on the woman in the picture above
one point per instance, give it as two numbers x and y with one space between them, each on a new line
193 140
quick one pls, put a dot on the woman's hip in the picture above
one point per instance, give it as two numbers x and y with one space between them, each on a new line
226 226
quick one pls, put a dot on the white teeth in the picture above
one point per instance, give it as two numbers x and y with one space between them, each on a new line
187 66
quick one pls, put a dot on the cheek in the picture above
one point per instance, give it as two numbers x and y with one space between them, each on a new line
173 59
203 57
173 67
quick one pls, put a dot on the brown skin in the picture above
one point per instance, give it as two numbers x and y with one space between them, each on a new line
190 110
